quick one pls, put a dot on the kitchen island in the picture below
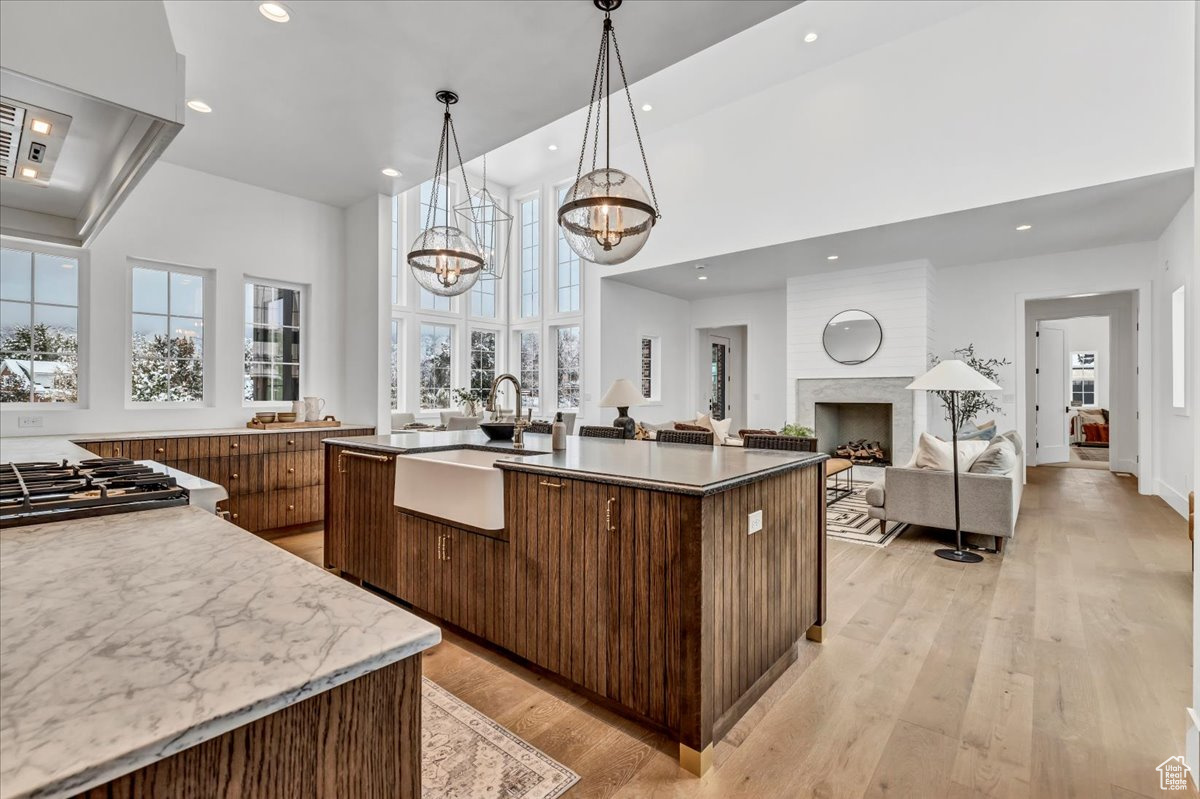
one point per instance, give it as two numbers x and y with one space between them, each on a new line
668 582
168 653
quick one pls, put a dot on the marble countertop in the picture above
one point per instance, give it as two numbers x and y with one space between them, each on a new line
125 639
678 468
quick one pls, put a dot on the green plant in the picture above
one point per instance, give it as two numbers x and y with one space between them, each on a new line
797 430
971 403
463 396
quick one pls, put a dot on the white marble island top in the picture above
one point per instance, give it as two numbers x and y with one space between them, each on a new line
125 639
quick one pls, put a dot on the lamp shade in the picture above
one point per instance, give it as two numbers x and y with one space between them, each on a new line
622 394
952 376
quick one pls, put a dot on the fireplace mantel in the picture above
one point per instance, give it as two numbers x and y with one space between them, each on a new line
889 390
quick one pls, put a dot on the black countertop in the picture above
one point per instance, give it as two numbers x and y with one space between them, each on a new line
676 468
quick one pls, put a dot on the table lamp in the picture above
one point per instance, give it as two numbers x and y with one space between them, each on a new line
952 377
622 395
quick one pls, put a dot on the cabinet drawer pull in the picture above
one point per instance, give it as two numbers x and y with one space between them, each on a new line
291 507
366 456
608 525
291 441
291 470
160 450
234 516
233 476
548 484
234 446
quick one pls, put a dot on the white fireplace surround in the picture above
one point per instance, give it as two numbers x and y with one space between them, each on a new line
884 390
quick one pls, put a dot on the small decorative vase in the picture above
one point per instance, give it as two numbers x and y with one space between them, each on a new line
468 408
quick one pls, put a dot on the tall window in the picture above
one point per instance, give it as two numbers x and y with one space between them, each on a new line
1083 378
568 268
429 300
483 359
531 257
568 357
529 368
167 346
1179 348
483 297
649 368
396 249
39 327
437 349
272 344
396 366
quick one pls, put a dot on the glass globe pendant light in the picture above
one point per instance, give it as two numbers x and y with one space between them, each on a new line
444 260
606 216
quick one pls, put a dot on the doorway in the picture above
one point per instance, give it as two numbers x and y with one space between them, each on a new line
1073 416
722 373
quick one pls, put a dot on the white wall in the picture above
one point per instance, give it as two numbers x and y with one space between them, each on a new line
627 314
898 295
181 216
1051 93
1173 267
368 292
764 315
984 304
1088 334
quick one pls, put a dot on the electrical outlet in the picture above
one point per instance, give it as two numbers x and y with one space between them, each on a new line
26 422
755 522
37 151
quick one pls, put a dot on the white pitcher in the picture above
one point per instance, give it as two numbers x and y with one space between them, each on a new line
312 409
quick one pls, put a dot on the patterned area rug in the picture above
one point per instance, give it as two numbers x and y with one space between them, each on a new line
847 519
466 755
1091 453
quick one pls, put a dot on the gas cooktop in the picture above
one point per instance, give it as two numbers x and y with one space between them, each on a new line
33 493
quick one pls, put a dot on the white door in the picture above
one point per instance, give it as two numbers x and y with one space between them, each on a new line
1052 432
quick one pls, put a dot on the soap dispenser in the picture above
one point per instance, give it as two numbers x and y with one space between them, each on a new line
558 433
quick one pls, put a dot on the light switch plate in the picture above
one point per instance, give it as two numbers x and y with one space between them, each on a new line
755 522
26 422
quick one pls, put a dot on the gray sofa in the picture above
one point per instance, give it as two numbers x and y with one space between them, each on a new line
989 502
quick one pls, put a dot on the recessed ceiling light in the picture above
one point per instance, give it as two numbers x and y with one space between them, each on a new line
1024 227
702 277
27 172
199 105
647 107
40 126
391 173
810 37
276 12
552 147
831 257
699 266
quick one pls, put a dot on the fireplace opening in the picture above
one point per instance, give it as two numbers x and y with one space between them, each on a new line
858 431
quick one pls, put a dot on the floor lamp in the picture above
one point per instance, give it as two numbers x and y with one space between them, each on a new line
952 377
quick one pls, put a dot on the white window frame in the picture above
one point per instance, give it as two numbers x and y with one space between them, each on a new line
655 397
1095 368
207 358
501 345
305 339
83 297
398 362
555 235
514 361
552 336
1179 351
518 272
456 360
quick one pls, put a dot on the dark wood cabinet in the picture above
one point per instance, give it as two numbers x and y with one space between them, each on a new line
273 479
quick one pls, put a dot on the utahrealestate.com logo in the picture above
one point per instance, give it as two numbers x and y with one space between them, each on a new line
1172 774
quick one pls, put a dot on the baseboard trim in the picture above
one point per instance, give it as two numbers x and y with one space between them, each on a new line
1175 499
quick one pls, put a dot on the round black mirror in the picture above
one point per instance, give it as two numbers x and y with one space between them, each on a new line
852 337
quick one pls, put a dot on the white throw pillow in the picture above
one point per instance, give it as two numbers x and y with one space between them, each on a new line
933 453
719 427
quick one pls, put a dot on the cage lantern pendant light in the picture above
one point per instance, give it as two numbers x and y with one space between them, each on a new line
606 217
490 226
443 258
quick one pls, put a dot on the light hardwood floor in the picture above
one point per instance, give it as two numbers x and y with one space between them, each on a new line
1061 668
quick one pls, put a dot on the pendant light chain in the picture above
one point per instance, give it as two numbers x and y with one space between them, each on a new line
592 102
448 134
463 171
636 131
430 217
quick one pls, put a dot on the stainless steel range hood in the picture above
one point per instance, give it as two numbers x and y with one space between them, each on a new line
81 121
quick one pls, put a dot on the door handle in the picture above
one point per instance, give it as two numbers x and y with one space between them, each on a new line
346 453
608 525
